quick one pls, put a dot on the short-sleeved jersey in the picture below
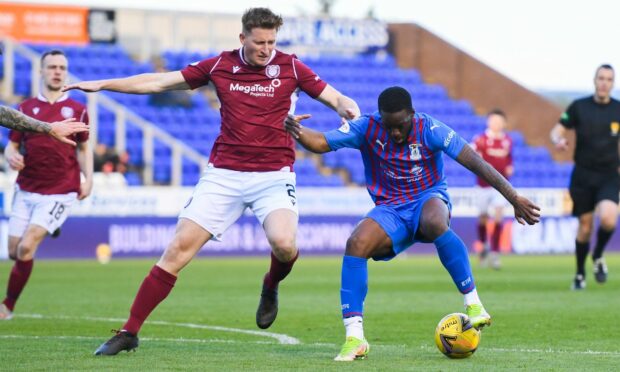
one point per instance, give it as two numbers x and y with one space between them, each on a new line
399 173
496 150
51 167
255 101
597 127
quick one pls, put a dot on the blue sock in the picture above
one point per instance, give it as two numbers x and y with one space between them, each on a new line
453 255
354 286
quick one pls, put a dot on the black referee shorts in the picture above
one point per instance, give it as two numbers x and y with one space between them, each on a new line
588 187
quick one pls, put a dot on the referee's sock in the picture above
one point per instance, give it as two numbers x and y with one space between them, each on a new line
581 253
602 238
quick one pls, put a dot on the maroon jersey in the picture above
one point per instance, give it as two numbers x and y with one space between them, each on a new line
497 151
51 167
255 100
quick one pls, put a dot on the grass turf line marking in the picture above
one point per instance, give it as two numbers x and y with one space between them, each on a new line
543 351
281 338
316 344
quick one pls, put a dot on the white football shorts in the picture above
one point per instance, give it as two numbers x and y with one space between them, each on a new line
47 211
222 195
488 199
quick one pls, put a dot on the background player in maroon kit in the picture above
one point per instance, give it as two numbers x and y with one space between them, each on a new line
495 146
49 174
250 164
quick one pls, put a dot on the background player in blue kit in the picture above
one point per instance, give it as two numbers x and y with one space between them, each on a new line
402 155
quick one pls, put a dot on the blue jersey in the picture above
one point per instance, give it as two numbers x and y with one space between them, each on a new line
399 173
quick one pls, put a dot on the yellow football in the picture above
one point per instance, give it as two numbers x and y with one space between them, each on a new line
455 337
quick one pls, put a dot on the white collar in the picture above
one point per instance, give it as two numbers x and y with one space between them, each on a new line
42 98
273 55
492 135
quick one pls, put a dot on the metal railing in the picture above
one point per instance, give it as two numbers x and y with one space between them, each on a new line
123 115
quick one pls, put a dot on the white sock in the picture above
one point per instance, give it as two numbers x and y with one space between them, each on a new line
472 298
354 326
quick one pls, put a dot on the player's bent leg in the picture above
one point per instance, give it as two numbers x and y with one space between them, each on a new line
188 240
20 273
281 230
367 240
189 237
453 255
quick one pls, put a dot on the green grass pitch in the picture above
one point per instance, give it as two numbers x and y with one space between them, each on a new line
207 323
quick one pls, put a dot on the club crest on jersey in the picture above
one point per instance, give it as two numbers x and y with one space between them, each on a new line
615 127
272 71
36 110
414 152
344 128
66 112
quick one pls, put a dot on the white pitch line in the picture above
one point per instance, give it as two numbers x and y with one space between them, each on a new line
180 340
541 351
281 338
315 344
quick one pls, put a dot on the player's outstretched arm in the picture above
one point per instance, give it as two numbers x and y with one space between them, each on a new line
345 106
525 210
311 140
62 129
136 84
16 120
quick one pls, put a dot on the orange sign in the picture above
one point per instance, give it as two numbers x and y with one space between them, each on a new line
44 23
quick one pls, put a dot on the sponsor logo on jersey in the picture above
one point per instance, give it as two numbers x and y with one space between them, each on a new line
255 90
345 128
235 69
414 151
67 112
416 170
615 127
434 126
36 110
449 138
272 71
381 144
194 63
415 174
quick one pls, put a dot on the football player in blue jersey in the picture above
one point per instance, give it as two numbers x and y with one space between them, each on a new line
402 155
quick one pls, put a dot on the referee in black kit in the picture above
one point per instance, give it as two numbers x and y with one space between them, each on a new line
594 183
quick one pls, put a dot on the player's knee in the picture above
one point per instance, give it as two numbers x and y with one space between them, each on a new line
609 219
359 246
584 231
13 255
283 247
608 224
432 227
26 249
